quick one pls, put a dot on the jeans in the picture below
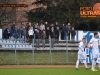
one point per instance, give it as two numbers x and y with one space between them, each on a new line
43 43
23 39
73 38
52 42
38 43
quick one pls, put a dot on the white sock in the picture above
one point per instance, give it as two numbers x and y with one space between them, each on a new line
77 63
93 64
85 64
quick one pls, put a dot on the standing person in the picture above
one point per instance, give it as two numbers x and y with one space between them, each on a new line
27 29
43 36
73 33
68 28
24 34
47 35
21 29
42 26
13 27
95 49
31 33
15 33
46 25
52 25
55 26
36 28
37 37
81 54
57 35
62 30
6 33
52 34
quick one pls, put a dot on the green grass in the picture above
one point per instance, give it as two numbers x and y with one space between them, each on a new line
47 72
7 58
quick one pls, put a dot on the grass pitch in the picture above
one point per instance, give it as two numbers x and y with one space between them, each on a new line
25 58
49 71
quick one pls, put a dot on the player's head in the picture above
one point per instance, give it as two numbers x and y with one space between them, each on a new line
96 35
83 40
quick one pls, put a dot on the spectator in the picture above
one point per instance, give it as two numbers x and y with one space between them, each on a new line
21 29
13 27
62 30
43 36
73 33
55 26
36 28
40 31
46 25
52 34
42 27
27 29
31 33
68 28
47 33
24 34
15 33
52 25
57 35
6 33
37 36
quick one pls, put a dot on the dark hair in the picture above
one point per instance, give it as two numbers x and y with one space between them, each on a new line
83 38
95 33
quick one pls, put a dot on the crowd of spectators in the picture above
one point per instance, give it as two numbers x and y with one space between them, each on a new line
41 32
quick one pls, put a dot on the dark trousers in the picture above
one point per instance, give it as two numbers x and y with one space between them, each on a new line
68 34
52 42
47 36
57 39
62 35
30 39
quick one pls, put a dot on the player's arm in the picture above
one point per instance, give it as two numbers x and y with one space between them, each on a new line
89 44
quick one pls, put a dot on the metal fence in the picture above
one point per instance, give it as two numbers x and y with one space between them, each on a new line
60 54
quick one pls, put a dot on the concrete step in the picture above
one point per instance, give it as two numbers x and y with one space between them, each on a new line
57 48
41 48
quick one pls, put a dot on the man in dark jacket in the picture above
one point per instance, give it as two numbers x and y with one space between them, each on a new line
21 29
37 37
55 26
47 33
57 35
52 34
46 25
15 33
62 30
23 34
13 28
68 28
73 33
6 33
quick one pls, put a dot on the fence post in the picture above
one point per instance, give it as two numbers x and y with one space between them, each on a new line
66 49
33 51
15 52
50 52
